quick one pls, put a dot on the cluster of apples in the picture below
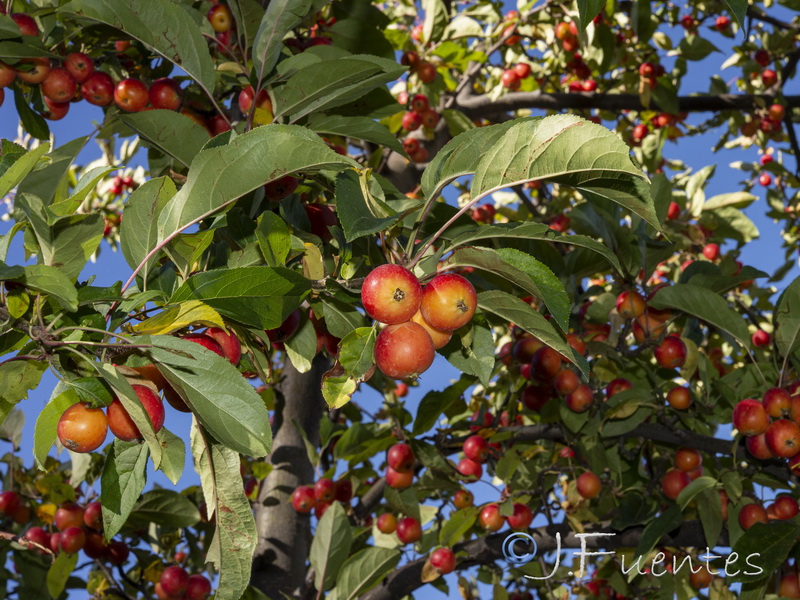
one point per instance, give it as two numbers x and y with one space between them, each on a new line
79 529
175 583
580 77
511 79
418 320
419 114
650 323
772 425
321 495
82 428
688 467
425 71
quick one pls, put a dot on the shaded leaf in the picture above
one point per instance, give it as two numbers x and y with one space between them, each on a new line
330 546
172 133
121 483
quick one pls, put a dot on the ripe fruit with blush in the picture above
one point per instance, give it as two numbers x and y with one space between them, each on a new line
325 490
39 536
400 457
120 422
397 480
588 485
408 530
679 398
9 502
391 294
98 89
545 363
304 499
93 515
220 18
491 519
750 418
761 338
82 429
174 580
783 438
197 588
26 23
615 386
630 304
277 190
777 402
476 448
671 352
131 95
522 517
758 448
580 399
443 560
469 468
248 94
68 515
463 499
72 540
206 341
228 342
286 329
566 381
386 523
404 350
688 459
752 514
448 301
38 71
79 65
673 483
59 85
165 93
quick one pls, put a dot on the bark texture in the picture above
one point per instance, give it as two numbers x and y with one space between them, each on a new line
284 536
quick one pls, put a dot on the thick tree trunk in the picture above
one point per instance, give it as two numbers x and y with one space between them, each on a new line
284 536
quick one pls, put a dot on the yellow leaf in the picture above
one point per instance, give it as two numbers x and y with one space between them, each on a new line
312 263
178 316
262 117
46 513
429 572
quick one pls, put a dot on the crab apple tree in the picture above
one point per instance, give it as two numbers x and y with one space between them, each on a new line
398 282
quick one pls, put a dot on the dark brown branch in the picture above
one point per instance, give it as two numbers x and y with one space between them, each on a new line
487 550
760 15
480 106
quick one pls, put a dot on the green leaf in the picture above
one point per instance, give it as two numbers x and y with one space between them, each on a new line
232 411
549 288
173 457
771 542
133 406
457 121
693 47
435 20
738 10
164 26
261 297
121 483
356 351
787 319
59 572
166 508
172 133
436 403
734 199
588 10
11 428
139 227
32 121
514 310
706 306
281 17
362 571
220 175
533 231
338 387
235 538
49 280
471 351
709 510
92 389
274 239
16 163
359 128
360 211
657 528
340 318
568 150
330 83
331 545
45 431
45 183
302 346
459 157
457 525
18 377
693 489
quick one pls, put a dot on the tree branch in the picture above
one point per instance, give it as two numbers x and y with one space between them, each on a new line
488 549
481 106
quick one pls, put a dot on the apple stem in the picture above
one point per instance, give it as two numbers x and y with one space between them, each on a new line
442 229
